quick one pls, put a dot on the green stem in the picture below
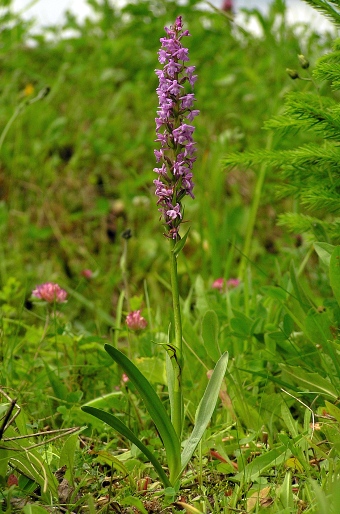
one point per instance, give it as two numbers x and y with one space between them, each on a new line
176 353
18 110
253 214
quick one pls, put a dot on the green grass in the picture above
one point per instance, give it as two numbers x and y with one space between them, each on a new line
75 173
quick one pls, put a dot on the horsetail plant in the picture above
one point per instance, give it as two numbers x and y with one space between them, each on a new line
175 161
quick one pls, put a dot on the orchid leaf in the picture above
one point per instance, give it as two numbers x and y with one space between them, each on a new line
180 244
155 408
115 423
205 409
170 378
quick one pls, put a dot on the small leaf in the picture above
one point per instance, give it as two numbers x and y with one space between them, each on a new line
132 501
34 509
241 324
310 381
333 410
317 327
180 244
258 498
288 325
59 388
294 464
170 378
67 456
324 251
273 458
276 293
290 423
153 368
286 493
210 331
111 460
300 295
205 409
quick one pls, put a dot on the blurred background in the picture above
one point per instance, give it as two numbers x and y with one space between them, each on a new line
50 12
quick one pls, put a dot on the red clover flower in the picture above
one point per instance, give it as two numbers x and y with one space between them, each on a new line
50 292
135 321
221 284
176 155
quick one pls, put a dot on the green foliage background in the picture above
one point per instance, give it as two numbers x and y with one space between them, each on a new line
76 171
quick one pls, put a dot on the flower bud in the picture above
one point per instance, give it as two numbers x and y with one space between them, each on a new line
304 63
292 73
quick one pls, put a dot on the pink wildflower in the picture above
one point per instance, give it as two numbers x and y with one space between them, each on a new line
50 292
218 284
87 273
233 282
135 321
221 284
125 378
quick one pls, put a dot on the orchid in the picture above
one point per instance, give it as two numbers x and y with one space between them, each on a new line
175 157
177 154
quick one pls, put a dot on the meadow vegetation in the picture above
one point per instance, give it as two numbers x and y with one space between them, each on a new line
258 275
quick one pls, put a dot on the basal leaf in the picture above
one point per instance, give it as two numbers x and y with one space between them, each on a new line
115 423
155 408
205 409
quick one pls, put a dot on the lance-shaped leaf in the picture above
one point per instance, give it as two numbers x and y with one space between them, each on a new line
205 409
155 408
115 423
180 244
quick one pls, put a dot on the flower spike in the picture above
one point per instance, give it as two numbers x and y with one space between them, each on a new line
173 129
